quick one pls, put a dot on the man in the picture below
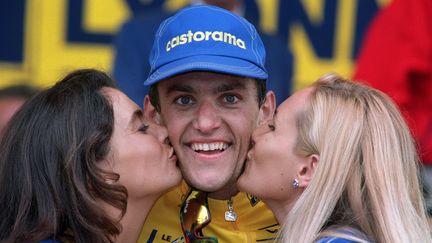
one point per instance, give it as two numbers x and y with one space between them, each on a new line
208 88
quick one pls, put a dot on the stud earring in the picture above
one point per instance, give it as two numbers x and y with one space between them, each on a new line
295 183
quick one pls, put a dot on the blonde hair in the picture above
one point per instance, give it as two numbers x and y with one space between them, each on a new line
367 174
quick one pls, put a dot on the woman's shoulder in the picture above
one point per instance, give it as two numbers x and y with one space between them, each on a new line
334 240
342 235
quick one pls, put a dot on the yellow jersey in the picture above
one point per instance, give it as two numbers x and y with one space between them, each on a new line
255 222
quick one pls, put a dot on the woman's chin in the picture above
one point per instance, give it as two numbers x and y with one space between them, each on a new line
243 185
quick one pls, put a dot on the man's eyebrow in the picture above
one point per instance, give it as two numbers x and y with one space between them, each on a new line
137 115
230 86
181 88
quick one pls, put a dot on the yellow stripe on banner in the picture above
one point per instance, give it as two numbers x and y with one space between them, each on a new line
55 56
308 66
315 9
269 12
48 55
105 16
173 5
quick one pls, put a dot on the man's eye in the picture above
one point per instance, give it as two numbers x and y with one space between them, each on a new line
184 100
231 99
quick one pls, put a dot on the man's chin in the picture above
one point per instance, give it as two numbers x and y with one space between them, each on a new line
204 186
221 190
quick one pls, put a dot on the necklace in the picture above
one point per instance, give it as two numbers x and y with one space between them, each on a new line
230 215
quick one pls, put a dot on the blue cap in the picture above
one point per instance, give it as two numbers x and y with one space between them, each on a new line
206 38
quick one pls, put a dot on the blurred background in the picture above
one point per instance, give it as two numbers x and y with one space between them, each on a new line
43 39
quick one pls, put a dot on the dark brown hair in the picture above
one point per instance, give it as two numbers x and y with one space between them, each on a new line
50 184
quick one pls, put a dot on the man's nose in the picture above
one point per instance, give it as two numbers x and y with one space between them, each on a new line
207 118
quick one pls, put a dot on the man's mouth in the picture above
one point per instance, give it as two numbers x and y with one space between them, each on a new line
209 147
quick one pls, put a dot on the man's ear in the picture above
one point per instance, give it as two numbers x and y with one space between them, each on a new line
307 171
150 111
267 109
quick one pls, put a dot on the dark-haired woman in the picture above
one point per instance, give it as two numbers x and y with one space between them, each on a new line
80 163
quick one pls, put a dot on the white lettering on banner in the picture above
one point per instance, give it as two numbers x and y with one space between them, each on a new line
205 36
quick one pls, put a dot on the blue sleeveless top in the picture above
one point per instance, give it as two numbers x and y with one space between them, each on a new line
348 231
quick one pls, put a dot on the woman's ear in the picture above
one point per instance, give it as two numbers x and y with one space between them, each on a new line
307 171
107 166
150 111
267 109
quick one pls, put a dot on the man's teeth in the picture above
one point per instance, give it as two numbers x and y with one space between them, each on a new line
209 146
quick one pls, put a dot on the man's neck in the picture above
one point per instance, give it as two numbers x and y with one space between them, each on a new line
225 193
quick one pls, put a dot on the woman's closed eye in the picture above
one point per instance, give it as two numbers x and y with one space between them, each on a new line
272 127
143 128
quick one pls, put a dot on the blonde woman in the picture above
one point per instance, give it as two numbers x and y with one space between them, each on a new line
337 163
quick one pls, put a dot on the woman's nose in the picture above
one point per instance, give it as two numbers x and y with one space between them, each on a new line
262 129
160 132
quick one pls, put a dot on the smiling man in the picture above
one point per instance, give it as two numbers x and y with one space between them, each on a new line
210 93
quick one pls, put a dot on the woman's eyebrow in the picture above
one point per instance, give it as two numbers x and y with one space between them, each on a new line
137 115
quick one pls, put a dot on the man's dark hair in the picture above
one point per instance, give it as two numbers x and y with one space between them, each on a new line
260 86
50 184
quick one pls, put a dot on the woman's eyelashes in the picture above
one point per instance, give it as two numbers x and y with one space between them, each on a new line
143 128
272 127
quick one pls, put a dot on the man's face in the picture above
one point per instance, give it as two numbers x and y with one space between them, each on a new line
210 118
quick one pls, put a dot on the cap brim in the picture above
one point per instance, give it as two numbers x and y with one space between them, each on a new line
210 63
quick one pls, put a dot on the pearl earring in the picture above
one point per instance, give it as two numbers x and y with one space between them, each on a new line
296 183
